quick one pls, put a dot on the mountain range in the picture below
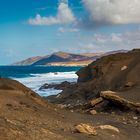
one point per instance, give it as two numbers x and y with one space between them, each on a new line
63 59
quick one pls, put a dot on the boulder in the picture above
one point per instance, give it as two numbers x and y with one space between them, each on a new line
129 84
86 129
109 127
93 112
96 101
124 68
121 100
60 86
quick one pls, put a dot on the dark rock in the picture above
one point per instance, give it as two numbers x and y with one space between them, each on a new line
60 86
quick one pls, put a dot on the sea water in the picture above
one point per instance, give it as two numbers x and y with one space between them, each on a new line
35 76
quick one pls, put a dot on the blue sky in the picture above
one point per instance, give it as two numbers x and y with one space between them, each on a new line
39 27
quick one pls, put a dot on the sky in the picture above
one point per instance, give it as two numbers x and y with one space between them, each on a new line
40 27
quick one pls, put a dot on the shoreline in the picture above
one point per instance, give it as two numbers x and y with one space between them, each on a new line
104 104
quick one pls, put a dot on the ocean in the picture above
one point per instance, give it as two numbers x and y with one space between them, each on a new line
35 76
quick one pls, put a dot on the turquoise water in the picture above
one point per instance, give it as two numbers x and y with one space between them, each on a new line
28 71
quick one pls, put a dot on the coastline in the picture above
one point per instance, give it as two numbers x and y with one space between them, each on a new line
103 104
35 76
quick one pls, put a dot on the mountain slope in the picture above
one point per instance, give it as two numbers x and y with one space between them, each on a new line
64 59
28 61
59 58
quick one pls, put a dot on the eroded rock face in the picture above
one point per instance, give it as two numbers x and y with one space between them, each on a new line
118 72
113 71
85 74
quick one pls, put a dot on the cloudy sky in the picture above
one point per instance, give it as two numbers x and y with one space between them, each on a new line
39 27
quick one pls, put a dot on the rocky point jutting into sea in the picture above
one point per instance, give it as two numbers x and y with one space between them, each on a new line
104 104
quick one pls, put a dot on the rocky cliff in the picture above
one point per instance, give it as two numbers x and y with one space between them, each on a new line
117 72
112 72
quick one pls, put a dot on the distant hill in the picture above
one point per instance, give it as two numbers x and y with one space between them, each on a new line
63 59
28 61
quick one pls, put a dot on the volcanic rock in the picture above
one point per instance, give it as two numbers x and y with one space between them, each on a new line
116 72
60 86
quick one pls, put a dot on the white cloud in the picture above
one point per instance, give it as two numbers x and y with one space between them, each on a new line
64 30
114 41
64 16
113 11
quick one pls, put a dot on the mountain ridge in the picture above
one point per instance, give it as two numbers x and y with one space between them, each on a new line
63 59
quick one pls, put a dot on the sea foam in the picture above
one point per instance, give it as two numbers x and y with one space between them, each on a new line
35 81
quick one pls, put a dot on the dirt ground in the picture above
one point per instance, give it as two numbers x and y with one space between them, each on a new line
25 116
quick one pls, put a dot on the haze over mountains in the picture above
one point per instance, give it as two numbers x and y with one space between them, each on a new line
63 59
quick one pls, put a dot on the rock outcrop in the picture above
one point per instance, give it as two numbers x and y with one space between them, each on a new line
121 99
61 86
113 71
117 72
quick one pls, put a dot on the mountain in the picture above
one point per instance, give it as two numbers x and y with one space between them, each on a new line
28 61
60 59
114 52
64 59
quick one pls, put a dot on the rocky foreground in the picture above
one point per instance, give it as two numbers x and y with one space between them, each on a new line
104 104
